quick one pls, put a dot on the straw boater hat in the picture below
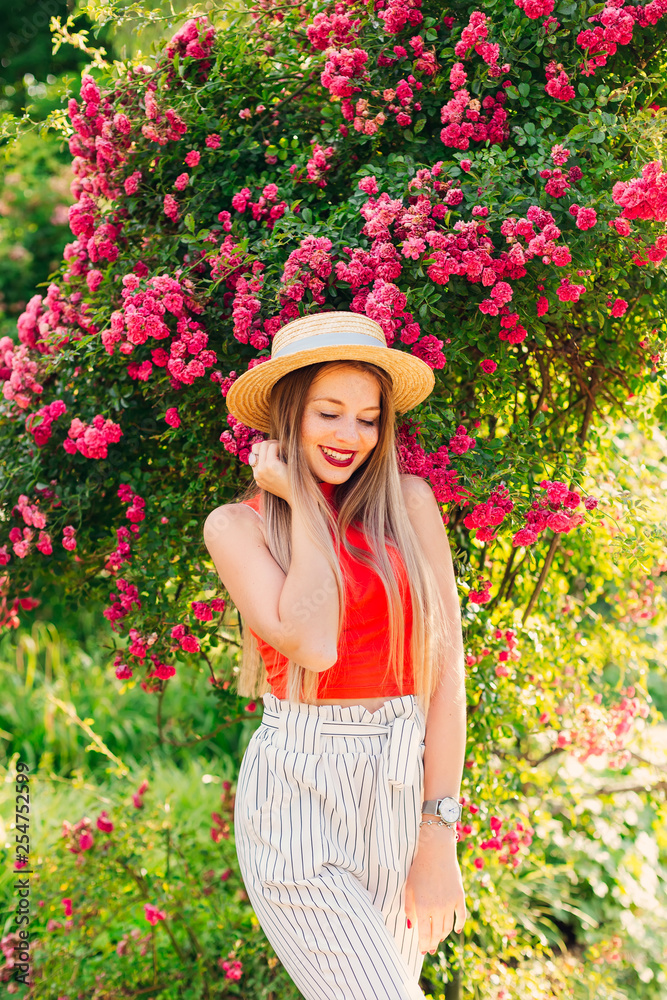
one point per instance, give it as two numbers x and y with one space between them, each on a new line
328 336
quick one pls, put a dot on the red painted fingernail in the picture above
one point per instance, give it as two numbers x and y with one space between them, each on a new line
409 925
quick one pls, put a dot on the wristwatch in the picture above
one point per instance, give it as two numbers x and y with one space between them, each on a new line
448 809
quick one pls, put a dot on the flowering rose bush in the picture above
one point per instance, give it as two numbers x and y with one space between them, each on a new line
148 890
462 178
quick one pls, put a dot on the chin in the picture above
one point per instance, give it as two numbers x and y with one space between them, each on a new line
329 473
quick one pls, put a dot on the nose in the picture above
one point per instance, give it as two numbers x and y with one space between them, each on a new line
347 432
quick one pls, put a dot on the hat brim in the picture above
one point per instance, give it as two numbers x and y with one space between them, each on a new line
248 398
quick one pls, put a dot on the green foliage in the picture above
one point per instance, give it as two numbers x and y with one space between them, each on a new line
160 853
566 659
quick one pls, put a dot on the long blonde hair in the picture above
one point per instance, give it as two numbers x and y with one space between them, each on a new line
372 498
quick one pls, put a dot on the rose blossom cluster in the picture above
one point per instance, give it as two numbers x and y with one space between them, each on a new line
9 607
204 610
307 268
143 315
399 101
246 305
341 68
21 539
101 147
535 8
122 601
616 25
318 165
475 36
192 41
53 320
240 439
266 209
555 510
232 967
398 13
40 422
487 516
596 730
92 440
505 653
467 252
508 845
643 197
337 29
183 639
134 513
30 513
558 83
466 119
79 835
383 301
641 602
412 459
18 372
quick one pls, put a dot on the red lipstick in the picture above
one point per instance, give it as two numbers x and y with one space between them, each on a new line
333 461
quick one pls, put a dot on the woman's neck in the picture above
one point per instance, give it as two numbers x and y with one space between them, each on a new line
327 489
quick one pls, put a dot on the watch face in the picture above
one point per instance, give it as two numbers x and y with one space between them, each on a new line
450 810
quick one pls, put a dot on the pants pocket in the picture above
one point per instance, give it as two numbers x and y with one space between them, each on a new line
286 826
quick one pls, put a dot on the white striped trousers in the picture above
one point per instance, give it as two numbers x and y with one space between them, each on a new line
326 822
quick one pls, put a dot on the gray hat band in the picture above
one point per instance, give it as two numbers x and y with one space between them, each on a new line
334 338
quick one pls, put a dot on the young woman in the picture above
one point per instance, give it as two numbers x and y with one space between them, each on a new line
347 798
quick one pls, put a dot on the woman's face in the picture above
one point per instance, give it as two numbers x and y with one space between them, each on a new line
341 421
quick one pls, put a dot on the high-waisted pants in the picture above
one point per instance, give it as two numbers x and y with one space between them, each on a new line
326 822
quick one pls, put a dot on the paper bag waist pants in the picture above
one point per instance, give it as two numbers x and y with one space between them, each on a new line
326 822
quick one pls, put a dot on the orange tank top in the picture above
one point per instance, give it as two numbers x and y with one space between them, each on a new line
361 668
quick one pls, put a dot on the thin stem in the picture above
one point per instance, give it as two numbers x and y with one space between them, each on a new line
208 736
542 578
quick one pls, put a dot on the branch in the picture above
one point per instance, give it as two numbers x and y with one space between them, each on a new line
508 570
209 736
660 786
542 579
524 756
274 107
141 884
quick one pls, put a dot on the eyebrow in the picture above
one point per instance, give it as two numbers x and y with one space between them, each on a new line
328 399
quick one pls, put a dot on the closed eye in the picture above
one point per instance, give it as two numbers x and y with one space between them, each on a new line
330 416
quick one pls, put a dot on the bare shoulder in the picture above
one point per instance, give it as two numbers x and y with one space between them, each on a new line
231 521
418 496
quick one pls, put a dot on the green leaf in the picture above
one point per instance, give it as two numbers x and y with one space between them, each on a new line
524 89
190 222
578 132
512 93
583 89
419 124
597 136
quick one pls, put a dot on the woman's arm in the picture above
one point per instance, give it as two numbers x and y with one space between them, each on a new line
295 612
434 894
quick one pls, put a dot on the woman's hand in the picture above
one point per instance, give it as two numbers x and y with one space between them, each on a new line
434 896
270 471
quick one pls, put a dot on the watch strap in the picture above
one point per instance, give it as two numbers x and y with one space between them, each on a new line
431 807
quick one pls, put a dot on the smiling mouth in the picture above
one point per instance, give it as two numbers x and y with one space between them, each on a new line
338 458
